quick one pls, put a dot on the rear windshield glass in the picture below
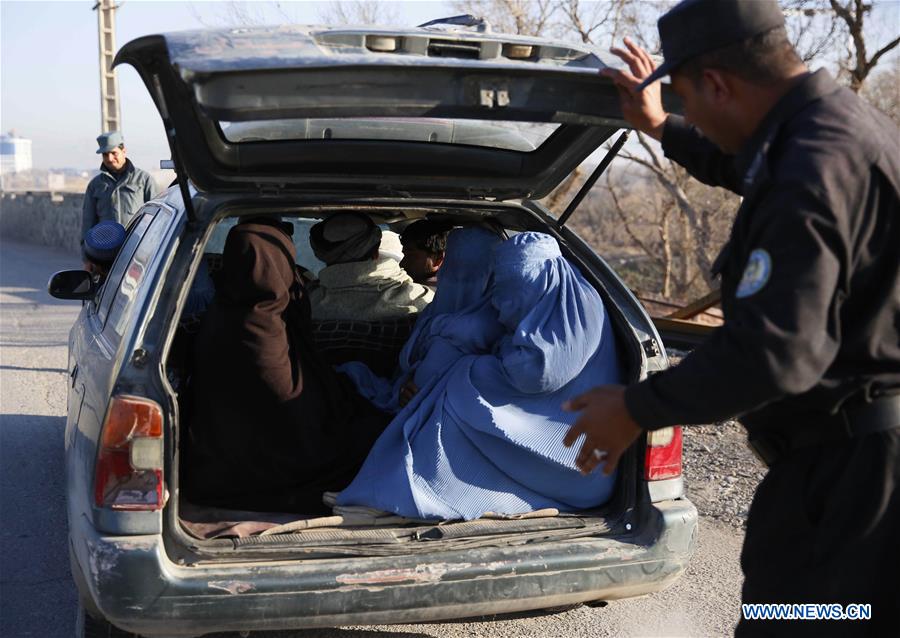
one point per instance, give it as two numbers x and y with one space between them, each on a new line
305 257
513 136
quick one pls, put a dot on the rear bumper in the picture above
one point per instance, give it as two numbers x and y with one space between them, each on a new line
136 587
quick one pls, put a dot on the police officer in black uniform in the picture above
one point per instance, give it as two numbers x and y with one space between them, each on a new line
809 354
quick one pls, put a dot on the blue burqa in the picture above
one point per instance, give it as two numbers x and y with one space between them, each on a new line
460 320
485 434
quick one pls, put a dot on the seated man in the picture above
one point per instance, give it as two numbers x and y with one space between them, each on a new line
424 244
272 425
356 283
484 433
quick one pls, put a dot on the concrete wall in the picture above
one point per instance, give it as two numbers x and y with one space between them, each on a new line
50 219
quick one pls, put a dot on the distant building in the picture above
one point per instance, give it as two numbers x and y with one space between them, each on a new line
15 153
56 181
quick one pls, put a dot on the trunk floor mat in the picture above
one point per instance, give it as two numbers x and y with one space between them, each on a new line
360 523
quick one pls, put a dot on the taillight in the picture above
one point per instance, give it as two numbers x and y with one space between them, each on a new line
663 458
128 474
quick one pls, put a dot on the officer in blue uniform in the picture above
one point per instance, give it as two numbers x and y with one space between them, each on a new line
809 354
118 191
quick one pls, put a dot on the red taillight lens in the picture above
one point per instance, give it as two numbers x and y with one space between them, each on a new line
663 458
128 474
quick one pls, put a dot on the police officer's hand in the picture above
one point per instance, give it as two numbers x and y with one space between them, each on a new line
643 110
608 427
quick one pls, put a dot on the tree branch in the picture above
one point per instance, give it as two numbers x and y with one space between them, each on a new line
683 202
890 45
648 250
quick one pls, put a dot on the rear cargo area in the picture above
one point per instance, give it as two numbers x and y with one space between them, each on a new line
205 532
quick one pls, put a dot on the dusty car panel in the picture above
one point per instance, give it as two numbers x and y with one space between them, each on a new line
207 51
189 600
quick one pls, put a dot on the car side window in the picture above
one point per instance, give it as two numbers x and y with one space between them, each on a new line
134 273
111 285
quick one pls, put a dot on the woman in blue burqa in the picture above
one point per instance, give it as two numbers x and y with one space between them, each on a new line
460 320
484 433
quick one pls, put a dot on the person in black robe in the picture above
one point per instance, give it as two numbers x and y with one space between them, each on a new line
272 425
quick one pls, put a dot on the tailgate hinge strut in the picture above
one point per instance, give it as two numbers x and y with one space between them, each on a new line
589 184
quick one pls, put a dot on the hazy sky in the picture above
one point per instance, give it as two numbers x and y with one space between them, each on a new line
50 76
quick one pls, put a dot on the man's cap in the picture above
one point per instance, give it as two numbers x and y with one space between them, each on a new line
109 141
694 27
103 241
344 237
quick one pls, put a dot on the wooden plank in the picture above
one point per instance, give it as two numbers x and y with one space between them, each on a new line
694 308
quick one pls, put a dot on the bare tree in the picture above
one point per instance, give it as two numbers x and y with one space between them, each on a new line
522 17
658 248
608 20
839 33
359 12
246 14
813 34
859 64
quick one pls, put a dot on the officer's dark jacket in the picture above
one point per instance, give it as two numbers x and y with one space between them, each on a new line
116 197
810 275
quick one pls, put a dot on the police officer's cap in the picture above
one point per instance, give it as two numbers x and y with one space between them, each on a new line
109 141
694 27
103 241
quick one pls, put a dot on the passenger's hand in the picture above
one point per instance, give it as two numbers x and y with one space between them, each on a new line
407 392
607 425
643 110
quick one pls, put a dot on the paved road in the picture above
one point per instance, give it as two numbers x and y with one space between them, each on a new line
38 599
36 594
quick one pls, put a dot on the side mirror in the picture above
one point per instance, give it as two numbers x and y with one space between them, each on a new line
72 284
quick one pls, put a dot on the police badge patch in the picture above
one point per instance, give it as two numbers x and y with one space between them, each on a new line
756 273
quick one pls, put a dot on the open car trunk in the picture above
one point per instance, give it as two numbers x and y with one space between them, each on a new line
406 117
204 533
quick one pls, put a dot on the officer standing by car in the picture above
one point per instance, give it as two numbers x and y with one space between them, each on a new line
119 190
809 354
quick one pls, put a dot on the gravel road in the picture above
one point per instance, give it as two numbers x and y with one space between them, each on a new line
37 597
721 472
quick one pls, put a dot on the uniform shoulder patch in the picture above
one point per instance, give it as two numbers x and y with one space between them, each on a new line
756 273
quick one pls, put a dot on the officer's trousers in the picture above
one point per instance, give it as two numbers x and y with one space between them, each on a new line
824 527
